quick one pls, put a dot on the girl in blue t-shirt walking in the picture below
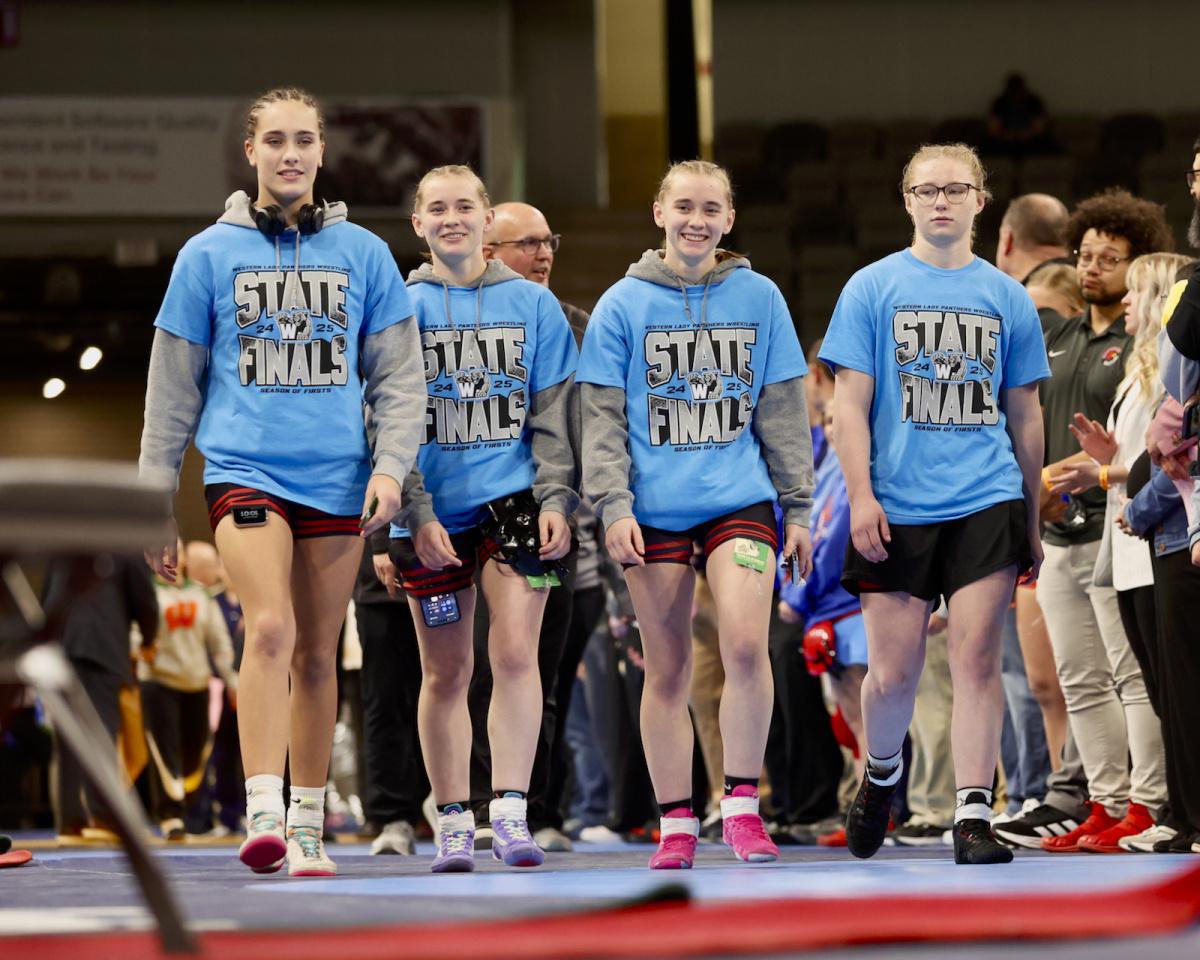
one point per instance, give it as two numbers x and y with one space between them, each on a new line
491 492
694 424
937 357
279 319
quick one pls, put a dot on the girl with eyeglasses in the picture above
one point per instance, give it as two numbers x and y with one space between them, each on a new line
695 423
937 356
491 492
278 321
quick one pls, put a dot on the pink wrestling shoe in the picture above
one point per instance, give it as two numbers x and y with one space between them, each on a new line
265 846
677 843
742 828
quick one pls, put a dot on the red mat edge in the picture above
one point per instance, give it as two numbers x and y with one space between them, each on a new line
686 929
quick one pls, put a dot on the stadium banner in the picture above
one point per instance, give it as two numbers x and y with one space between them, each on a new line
170 156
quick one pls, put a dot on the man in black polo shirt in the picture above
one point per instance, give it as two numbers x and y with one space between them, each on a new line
1099 676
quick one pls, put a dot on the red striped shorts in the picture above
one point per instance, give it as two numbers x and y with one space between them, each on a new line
755 522
305 522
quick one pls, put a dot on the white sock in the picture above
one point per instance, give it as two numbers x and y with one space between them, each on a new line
515 807
264 794
974 803
307 807
886 771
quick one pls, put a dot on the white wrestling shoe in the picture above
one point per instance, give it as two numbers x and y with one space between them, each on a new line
306 855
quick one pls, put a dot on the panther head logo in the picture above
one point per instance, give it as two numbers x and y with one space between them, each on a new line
705 384
949 365
472 384
294 324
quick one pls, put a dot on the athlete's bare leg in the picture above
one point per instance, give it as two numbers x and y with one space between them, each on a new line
515 713
743 598
976 616
443 721
896 625
258 561
662 599
323 573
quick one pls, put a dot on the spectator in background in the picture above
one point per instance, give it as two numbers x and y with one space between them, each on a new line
1017 122
1110 714
228 780
1033 235
1054 290
95 639
174 671
393 781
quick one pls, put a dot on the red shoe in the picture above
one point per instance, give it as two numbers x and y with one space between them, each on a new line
1097 822
677 846
1136 820
835 839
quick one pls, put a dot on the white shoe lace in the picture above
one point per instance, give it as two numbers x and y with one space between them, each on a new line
456 841
515 830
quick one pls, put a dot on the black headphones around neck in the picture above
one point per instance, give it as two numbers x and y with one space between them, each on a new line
270 222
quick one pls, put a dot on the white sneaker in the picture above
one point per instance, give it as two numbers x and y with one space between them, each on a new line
306 854
1144 842
552 840
265 846
396 837
599 834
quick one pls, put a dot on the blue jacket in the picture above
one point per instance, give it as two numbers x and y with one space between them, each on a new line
822 597
1158 509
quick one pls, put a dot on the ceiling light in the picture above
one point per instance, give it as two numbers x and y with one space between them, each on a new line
53 388
90 358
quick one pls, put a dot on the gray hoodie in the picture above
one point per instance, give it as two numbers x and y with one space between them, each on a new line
780 419
556 478
390 364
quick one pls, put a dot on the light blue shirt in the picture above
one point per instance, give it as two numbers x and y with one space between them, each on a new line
691 379
283 398
942 345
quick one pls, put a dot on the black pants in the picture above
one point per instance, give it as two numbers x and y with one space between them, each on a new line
394 775
1177 607
178 737
803 759
632 792
556 622
547 811
1140 623
77 802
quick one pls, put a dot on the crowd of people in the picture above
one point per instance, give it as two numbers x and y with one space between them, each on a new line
933 583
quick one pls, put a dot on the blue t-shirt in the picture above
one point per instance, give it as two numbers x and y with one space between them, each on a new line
691 382
477 446
283 406
941 345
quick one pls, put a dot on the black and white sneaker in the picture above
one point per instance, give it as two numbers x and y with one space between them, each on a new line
867 821
1029 829
919 835
975 843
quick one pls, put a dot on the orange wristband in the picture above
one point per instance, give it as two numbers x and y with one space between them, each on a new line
1046 478
1104 477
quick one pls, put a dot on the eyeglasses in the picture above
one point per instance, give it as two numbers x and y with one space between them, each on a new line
927 193
1191 178
530 245
1104 261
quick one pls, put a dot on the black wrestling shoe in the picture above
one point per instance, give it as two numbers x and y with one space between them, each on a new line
867 821
974 842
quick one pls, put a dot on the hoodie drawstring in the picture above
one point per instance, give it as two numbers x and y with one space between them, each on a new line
687 307
478 303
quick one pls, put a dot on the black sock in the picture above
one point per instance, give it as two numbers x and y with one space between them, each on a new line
447 808
510 794
666 809
732 782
